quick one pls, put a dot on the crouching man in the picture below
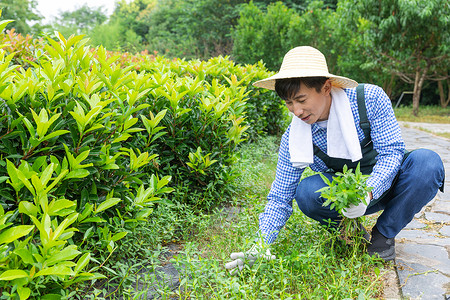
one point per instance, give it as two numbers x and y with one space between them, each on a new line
337 122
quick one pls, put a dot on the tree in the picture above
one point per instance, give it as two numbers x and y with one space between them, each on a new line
268 34
409 37
443 100
133 16
21 11
263 35
81 20
192 28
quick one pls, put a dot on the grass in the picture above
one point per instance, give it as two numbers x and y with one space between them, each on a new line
441 134
427 114
311 263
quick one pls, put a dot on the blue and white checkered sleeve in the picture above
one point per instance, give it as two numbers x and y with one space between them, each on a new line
386 138
279 206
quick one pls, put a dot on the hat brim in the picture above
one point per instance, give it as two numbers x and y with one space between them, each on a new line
337 81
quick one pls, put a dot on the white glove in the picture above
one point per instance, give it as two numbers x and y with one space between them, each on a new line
355 211
249 258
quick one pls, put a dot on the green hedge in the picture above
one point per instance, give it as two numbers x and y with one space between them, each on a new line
91 141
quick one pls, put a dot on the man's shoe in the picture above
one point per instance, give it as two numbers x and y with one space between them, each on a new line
381 246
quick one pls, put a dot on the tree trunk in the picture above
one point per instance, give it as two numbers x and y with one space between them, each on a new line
418 83
444 102
387 86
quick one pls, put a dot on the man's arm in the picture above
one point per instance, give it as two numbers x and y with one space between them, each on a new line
279 206
386 138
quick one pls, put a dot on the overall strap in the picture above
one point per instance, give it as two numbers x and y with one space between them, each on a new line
363 120
368 152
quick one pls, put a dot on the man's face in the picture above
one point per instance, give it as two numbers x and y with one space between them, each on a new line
309 105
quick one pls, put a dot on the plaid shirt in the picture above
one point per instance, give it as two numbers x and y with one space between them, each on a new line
387 141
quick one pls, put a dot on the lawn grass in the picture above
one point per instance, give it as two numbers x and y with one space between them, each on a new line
311 263
427 114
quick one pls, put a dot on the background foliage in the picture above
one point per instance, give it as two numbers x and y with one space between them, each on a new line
399 45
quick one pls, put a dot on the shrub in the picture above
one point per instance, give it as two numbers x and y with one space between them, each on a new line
81 151
265 113
91 141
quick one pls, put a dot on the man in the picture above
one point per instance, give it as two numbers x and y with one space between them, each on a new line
336 125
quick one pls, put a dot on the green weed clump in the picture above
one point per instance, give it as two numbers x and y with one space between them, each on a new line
345 189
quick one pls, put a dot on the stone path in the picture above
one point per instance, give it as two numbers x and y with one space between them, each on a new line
423 247
432 127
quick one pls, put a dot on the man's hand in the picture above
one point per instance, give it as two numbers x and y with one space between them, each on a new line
249 257
355 211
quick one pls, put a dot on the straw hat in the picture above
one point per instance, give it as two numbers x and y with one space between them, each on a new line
305 61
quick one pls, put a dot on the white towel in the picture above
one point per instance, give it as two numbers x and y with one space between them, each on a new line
342 138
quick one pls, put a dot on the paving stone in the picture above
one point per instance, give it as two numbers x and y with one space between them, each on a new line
421 282
421 237
414 224
434 257
411 234
419 251
446 195
445 230
437 217
441 205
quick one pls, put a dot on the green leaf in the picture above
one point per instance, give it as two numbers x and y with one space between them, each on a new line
4 23
78 173
56 206
81 157
64 224
29 127
25 255
163 181
54 134
47 174
13 274
68 253
110 167
82 262
107 204
15 233
121 138
55 270
28 208
144 213
94 220
56 180
3 178
119 236
24 292
325 179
